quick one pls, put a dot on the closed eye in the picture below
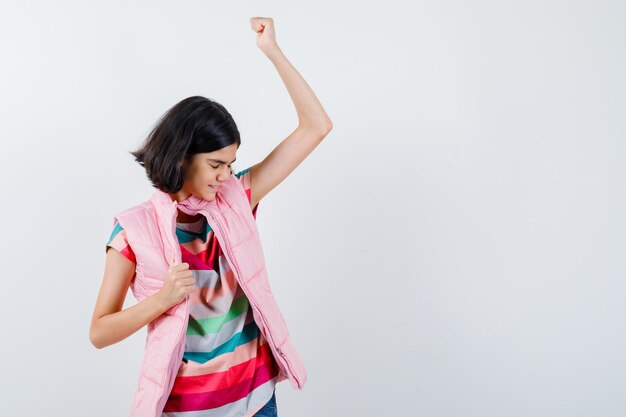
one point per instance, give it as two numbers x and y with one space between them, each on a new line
216 167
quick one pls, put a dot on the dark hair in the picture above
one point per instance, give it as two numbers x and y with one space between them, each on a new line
194 125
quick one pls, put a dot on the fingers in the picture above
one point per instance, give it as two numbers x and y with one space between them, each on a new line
179 267
258 23
190 281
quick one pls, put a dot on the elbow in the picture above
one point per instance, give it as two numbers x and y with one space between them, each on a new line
319 128
95 339
327 127
323 128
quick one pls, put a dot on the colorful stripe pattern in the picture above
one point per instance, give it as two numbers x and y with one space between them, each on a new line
227 369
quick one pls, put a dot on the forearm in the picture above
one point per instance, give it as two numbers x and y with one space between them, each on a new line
311 114
114 327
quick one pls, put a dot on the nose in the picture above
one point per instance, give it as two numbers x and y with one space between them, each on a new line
224 175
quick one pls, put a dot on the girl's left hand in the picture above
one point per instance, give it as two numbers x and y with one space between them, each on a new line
266 37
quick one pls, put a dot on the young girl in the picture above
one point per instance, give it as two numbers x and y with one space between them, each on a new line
227 369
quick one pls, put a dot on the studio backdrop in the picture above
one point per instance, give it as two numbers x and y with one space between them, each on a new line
453 247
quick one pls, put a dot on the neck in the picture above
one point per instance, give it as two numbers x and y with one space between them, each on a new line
186 218
179 196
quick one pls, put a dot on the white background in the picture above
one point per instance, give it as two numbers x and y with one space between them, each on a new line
454 247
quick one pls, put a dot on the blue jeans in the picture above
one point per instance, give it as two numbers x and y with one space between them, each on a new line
269 409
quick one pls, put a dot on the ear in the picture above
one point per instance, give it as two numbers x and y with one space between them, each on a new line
183 168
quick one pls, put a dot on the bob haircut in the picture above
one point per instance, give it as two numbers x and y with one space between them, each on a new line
194 125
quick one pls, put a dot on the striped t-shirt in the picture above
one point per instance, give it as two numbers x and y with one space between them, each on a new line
227 368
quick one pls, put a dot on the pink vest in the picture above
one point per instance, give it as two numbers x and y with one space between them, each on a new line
151 231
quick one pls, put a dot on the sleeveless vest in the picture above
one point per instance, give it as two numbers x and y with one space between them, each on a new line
151 231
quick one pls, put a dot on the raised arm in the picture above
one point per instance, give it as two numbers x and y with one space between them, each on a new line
313 122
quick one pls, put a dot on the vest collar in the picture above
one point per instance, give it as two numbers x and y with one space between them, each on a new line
166 205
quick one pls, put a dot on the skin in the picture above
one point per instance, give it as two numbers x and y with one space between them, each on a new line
110 323
201 171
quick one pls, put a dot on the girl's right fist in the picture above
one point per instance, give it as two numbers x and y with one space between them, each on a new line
178 283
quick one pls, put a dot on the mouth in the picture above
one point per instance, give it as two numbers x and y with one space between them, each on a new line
212 188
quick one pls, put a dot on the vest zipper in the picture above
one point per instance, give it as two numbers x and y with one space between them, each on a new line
174 245
280 355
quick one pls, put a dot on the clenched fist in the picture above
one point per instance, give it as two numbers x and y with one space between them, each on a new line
266 36
178 283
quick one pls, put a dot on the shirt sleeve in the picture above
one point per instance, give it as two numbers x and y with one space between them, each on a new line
119 241
244 178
